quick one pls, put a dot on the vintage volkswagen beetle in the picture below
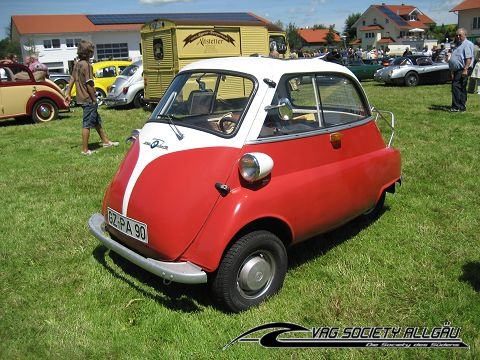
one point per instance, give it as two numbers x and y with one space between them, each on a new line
128 87
242 158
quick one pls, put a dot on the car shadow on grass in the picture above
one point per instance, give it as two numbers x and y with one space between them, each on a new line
321 244
471 274
175 296
193 298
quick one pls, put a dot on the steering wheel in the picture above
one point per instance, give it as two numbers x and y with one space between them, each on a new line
227 123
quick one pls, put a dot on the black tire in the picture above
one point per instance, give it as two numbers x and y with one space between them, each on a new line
100 96
44 110
62 84
411 79
252 269
138 100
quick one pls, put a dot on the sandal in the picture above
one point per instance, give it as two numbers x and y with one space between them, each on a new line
110 144
88 152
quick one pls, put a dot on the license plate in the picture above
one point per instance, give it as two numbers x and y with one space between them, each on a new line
128 226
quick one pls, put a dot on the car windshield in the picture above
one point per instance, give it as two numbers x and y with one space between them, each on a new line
214 102
402 61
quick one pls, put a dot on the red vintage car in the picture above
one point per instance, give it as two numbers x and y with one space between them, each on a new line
242 158
21 94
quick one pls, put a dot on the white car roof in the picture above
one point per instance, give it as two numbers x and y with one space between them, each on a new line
262 67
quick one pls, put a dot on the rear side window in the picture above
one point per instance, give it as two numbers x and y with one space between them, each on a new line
318 101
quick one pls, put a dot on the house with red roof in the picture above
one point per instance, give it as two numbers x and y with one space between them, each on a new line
468 12
383 25
316 38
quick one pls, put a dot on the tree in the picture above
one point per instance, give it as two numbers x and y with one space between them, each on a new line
350 32
330 37
9 47
293 38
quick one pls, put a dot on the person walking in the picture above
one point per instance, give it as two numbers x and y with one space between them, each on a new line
82 77
460 64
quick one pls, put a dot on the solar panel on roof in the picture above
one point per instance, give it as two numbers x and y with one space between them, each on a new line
111 19
394 17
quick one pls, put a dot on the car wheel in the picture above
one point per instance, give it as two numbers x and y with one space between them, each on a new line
100 96
138 100
252 269
44 110
62 84
411 79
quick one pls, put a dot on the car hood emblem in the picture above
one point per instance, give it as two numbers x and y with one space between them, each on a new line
156 143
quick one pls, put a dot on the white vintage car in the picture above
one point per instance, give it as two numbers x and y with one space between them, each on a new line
127 88
413 70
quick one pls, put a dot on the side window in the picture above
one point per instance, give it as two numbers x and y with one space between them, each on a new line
158 49
316 101
341 101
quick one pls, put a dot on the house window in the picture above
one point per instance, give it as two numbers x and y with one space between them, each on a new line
72 42
112 51
476 23
375 21
51 43
387 21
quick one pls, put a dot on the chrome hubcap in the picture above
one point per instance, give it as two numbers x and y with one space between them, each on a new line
255 273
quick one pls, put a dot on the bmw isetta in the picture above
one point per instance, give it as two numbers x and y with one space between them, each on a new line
242 158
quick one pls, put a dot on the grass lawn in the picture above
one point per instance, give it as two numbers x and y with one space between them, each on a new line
63 296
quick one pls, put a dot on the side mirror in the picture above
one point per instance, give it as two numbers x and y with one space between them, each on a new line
285 109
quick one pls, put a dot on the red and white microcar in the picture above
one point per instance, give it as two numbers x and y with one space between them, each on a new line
242 158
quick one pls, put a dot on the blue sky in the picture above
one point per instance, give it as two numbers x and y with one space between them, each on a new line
301 13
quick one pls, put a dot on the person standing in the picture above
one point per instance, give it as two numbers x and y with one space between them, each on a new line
460 63
82 77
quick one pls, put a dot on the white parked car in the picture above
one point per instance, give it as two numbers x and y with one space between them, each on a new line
127 88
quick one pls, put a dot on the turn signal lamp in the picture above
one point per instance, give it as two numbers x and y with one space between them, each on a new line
336 140
255 166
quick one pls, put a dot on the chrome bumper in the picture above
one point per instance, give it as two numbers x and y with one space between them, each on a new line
115 102
181 272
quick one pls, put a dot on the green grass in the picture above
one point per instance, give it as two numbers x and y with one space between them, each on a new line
63 296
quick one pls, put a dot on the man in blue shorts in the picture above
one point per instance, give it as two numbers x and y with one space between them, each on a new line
82 77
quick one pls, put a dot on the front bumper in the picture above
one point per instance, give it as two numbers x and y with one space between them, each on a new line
182 272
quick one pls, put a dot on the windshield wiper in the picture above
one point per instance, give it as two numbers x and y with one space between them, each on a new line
174 127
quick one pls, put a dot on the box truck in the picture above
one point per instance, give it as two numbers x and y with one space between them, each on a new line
169 44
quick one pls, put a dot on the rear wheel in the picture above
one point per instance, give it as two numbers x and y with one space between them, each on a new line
44 110
138 100
411 79
252 269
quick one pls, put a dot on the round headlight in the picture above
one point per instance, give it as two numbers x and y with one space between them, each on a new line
255 166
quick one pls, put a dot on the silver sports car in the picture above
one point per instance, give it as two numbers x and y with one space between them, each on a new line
412 71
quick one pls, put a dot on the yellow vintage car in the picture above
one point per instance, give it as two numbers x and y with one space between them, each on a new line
105 73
